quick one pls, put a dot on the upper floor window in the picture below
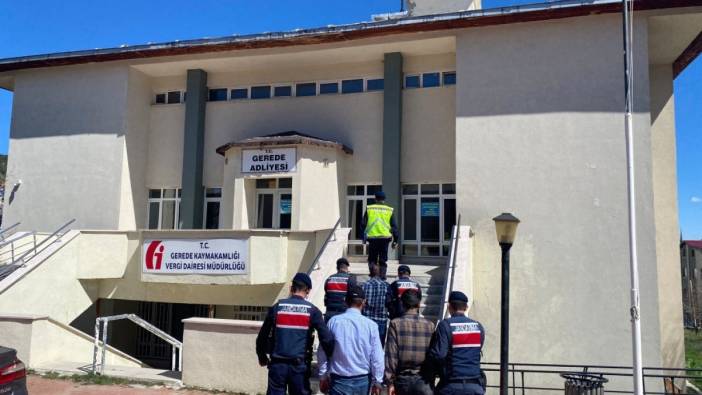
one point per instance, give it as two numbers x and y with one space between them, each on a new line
375 84
240 93
412 81
174 97
213 200
218 94
306 89
164 208
431 80
328 88
352 86
160 98
282 91
261 92
449 78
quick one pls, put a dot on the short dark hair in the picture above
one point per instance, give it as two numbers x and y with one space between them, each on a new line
373 269
458 305
299 286
410 299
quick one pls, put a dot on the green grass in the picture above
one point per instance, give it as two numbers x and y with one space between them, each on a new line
693 354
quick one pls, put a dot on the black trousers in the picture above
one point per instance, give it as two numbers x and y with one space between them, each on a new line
291 376
378 254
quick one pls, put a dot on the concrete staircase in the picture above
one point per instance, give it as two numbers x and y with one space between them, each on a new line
430 273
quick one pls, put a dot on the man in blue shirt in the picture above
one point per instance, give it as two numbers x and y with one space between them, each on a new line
455 348
358 355
286 336
377 293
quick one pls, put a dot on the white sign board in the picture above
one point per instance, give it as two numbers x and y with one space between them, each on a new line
181 256
274 160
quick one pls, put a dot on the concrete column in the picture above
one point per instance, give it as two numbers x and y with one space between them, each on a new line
191 201
392 131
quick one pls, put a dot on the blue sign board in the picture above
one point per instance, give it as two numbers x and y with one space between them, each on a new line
430 209
285 206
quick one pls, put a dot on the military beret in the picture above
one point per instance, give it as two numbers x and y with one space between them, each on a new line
458 296
304 279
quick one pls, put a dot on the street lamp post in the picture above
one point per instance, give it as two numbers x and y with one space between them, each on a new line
506 228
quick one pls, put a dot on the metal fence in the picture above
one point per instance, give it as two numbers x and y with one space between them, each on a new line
529 378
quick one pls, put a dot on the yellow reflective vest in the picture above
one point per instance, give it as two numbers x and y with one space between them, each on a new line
379 217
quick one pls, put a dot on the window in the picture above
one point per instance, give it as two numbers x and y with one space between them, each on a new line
282 91
240 93
160 98
428 217
219 94
306 89
412 81
352 86
261 92
173 97
358 197
164 208
376 84
431 80
449 78
213 200
274 203
328 88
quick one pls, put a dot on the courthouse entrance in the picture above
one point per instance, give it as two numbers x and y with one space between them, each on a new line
428 215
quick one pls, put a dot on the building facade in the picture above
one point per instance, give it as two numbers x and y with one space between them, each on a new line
278 136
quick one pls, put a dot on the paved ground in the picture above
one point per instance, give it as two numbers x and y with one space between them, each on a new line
38 385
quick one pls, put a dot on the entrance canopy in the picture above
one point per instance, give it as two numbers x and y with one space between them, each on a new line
288 180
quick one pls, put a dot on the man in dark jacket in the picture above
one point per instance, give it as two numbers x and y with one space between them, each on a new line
335 289
284 343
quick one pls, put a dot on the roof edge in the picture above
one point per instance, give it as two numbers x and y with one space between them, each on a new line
356 31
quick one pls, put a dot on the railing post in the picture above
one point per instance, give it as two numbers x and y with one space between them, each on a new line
173 357
104 346
34 236
97 343
12 251
180 358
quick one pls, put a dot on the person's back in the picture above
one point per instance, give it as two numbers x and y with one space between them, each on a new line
397 288
335 288
284 342
376 291
456 347
405 351
357 356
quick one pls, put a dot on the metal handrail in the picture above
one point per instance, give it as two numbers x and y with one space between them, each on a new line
36 247
3 231
315 263
522 370
175 343
15 264
12 242
451 268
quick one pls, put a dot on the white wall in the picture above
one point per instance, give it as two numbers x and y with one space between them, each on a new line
539 132
65 147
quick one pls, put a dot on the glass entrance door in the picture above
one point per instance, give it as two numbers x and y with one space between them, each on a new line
428 216
358 197
274 203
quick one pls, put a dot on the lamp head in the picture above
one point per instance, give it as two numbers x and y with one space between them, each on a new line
506 228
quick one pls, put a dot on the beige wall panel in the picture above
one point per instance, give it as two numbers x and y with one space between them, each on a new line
540 134
133 195
429 135
666 215
165 159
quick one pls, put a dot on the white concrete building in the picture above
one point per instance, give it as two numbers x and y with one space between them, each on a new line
268 140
